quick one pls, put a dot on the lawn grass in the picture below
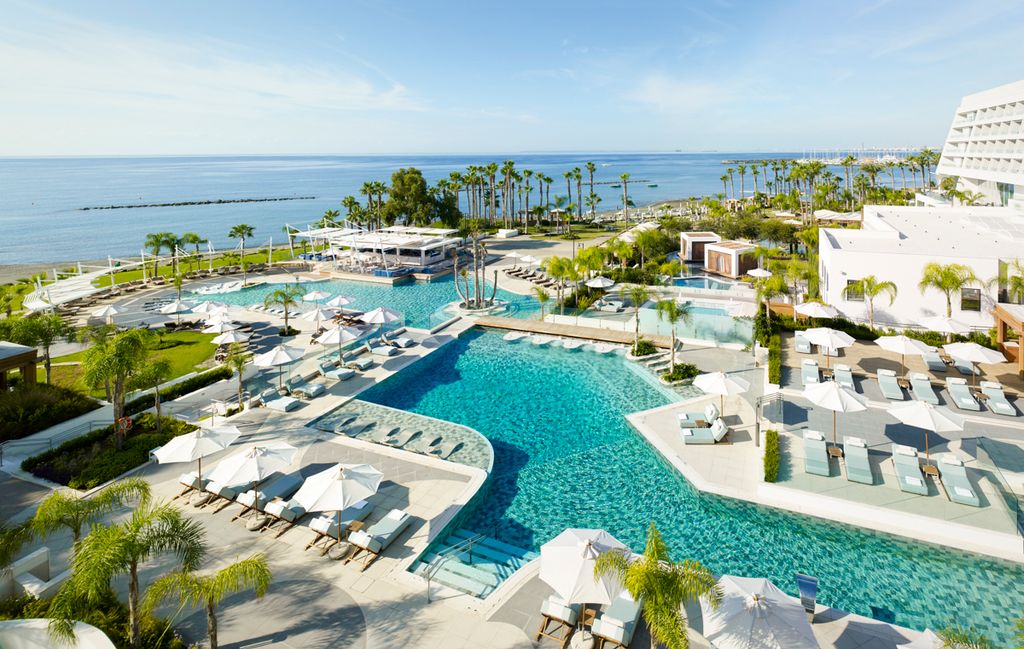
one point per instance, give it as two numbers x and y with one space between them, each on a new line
581 233
183 349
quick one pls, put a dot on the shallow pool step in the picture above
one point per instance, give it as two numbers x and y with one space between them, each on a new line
477 574
485 574
448 577
489 543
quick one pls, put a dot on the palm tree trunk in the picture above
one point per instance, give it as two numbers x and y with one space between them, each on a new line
211 624
636 324
871 313
672 356
133 605
46 364
156 397
243 262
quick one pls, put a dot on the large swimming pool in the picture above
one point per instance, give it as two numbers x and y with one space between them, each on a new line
566 457
419 302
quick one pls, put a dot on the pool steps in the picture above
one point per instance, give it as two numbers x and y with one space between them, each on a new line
492 562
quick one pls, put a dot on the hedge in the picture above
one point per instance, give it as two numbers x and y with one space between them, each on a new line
33 407
197 382
91 460
771 455
644 348
681 372
775 360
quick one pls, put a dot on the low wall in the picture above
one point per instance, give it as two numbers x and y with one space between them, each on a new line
31 575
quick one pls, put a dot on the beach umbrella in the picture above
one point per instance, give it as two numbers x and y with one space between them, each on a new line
835 397
721 384
108 312
935 419
827 338
816 310
210 307
600 282
176 308
339 336
381 316
338 488
529 260
974 353
253 465
759 273
219 328
218 317
755 614
278 357
567 565
927 640
513 255
317 315
231 337
196 445
903 345
315 296
945 325
339 301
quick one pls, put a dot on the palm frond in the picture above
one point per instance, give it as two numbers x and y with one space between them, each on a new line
12 538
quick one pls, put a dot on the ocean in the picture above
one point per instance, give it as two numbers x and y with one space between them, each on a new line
41 219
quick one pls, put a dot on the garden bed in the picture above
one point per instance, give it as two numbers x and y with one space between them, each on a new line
31 408
91 460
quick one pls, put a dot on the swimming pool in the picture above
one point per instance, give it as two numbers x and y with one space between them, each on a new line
703 323
565 456
703 282
419 302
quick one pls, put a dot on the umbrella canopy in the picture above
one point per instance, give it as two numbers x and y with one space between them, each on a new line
319 314
721 384
219 328
280 355
197 445
599 282
567 565
826 338
315 296
339 336
760 273
974 353
253 465
833 396
177 306
927 640
381 315
513 255
816 310
935 419
209 307
903 345
230 337
339 301
529 259
218 317
755 614
945 325
108 311
339 487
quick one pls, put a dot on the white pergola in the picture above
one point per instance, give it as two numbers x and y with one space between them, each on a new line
426 244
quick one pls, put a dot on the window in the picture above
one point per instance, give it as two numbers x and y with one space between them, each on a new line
970 299
853 294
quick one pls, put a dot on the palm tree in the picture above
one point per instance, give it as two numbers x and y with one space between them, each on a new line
625 196
156 241
12 539
578 177
725 183
329 219
621 250
116 362
44 331
673 312
592 200
150 377
742 169
591 168
646 242
236 361
960 638
664 587
60 510
870 287
285 297
210 590
562 270
193 239
638 296
1015 281
242 231
948 279
732 183
118 549
542 297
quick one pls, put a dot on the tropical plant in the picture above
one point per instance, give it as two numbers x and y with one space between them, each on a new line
960 638
673 312
12 538
638 296
193 239
1015 280
647 243
115 362
285 297
625 196
43 331
236 361
562 270
156 241
542 298
765 288
60 509
664 587
150 377
210 590
242 231
620 249
947 279
871 287
8 296
118 549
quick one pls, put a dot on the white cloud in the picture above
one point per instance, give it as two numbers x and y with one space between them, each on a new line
673 96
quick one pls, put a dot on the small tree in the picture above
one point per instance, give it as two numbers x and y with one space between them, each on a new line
673 312
242 231
150 377
542 297
44 331
870 287
12 538
638 295
60 510
948 279
287 297
210 590
236 361
116 362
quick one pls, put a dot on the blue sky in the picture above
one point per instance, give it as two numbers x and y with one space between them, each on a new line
121 77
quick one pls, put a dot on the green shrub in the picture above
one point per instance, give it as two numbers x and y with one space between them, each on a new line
858 331
630 275
290 331
775 359
91 460
643 348
197 382
771 455
32 407
682 372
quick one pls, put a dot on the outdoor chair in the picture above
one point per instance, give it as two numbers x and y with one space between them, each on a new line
254 500
997 401
961 395
908 470
361 364
922 388
858 467
803 346
373 541
326 526
809 372
844 376
690 419
616 626
966 368
816 454
330 370
562 615
958 486
890 386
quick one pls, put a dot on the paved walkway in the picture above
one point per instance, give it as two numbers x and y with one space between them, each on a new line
567 331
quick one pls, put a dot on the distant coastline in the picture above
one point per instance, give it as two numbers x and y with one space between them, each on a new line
219 201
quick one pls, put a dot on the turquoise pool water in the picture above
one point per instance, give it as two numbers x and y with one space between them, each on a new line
564 456
703 282
704 323
420 302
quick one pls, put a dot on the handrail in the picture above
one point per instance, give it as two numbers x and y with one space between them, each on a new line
444 555
50 442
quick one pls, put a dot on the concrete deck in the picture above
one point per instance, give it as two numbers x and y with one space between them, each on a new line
568 331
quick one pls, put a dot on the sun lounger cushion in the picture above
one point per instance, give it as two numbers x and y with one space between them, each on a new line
934 362
719 429
890 387
711 413
844 376
340 374
958 486
383 350
815 454
961 394
287 510
283 404
858 466
809 372
619 622
922 387
997 401
361 364
311 390
190 479
556 609
698 435
803 345
403 342
379 536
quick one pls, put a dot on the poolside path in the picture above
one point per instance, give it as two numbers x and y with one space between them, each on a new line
568 331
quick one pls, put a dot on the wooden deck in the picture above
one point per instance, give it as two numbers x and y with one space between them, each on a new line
568 331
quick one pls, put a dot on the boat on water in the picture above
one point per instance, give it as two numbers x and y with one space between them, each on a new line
616 186
652 184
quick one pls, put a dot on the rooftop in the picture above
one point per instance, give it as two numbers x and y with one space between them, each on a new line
949 231
732 245
699 235
10 350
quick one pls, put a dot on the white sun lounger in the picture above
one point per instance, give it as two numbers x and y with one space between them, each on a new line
858 467
997 401
690 419
562 615
908 470
809 372
890 387
283 404
326 526
191 483
803 346
372 541
922 388
961 395
618 623
816 454
844 376
361 364
958 486
329 370
253 500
